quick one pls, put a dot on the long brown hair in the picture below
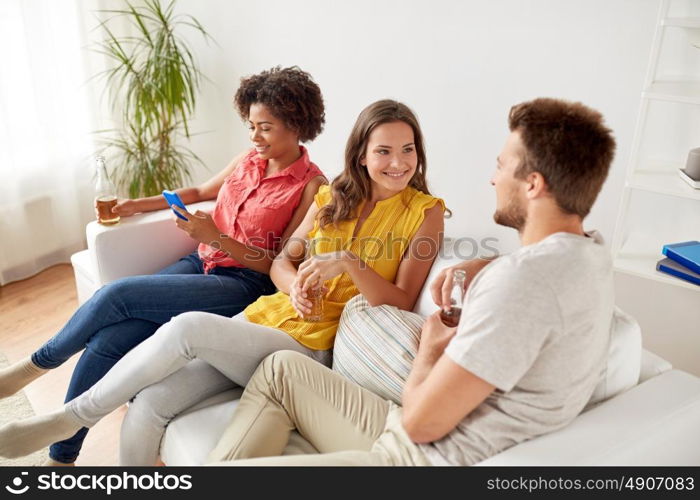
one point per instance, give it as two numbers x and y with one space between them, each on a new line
354 185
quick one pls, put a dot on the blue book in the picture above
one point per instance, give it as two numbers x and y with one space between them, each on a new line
686 254
673 268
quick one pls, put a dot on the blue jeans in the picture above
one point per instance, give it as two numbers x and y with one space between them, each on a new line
124 313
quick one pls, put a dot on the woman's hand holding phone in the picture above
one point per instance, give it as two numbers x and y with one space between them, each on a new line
174 200
199 226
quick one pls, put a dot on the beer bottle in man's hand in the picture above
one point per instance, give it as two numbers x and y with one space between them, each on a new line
451 316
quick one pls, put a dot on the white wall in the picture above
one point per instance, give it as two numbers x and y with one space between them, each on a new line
460 65
669 316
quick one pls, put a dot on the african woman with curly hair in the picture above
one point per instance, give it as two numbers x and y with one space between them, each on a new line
261 197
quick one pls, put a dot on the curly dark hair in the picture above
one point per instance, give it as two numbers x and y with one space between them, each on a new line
290 94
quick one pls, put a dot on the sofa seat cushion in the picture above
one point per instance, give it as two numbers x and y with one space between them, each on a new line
191 436
652 424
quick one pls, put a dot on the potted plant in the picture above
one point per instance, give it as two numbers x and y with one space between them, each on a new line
153 84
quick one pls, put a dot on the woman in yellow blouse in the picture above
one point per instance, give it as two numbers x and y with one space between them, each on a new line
376 230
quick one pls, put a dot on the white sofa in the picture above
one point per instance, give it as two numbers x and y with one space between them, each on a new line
654 423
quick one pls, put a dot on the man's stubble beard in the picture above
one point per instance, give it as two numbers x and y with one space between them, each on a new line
513 215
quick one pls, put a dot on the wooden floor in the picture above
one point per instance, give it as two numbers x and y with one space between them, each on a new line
31 311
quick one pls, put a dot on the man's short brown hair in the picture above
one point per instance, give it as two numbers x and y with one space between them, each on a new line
569 145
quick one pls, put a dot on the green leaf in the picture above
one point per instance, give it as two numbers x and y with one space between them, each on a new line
153 82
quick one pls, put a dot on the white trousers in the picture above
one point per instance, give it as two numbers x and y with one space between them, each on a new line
192 357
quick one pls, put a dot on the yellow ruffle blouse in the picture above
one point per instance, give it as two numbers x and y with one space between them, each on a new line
381 243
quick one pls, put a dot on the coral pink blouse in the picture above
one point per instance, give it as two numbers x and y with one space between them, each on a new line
254 209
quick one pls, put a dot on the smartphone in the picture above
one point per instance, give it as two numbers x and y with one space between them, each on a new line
173 199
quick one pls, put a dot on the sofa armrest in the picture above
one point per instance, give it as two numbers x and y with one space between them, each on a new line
654 423
141 244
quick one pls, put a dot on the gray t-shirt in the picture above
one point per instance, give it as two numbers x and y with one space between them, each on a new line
535 324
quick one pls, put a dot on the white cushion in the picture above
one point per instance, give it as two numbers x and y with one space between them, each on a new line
652 366
621 372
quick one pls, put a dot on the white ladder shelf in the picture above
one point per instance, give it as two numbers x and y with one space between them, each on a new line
657 206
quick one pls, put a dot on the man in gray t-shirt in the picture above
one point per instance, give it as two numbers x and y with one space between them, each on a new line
535 326
526 355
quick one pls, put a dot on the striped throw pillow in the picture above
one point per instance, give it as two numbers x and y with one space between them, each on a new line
375 346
